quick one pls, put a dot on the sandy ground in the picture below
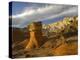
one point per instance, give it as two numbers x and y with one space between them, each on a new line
53 47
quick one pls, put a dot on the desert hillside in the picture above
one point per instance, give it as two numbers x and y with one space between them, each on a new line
57 39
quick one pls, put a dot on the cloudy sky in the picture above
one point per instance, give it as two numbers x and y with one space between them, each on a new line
24 13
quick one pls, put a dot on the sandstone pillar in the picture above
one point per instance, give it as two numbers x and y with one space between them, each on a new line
36 38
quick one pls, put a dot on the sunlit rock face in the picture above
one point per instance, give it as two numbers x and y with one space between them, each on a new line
36 39
57 42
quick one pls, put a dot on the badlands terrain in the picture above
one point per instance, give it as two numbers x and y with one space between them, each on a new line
58 39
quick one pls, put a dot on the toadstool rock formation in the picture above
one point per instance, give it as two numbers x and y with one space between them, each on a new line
36 38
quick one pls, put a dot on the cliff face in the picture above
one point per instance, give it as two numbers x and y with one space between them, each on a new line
19 35
19 38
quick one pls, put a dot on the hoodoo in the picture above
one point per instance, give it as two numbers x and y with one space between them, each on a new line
35 35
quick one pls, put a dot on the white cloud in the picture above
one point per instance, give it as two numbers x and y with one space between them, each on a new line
68 12
43 13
